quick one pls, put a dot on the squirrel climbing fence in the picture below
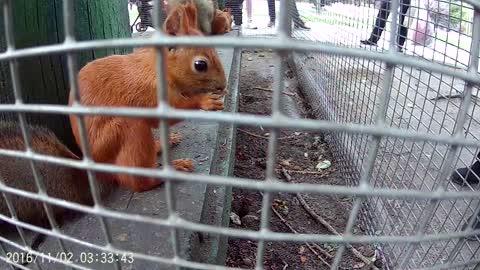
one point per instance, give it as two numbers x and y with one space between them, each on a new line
399 123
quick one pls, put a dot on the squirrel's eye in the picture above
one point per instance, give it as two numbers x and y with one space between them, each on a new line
200 65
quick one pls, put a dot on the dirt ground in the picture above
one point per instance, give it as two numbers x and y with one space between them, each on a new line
298 153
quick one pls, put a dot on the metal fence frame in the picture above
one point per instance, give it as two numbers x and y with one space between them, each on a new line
283 45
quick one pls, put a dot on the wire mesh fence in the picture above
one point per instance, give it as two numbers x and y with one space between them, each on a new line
350 90
399 123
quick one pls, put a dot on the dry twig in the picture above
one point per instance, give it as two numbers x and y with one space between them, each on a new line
303 172
270 90
252 134
452 96
439 97
262 137
327 225
307 244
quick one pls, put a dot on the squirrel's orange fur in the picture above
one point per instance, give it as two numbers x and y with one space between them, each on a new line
130 80
222 21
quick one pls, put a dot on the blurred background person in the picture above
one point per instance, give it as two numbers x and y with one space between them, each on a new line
249 15
271 12
236 7
381 21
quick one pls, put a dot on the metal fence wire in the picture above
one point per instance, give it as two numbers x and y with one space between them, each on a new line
398 123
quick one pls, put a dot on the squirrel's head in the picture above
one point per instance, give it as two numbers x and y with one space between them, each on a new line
228 11
191 70
222 21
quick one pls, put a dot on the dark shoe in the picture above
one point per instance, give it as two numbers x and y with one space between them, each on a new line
464 176
301 27
237 25
475 226
368 42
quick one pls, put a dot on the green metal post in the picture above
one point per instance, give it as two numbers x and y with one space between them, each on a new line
220 4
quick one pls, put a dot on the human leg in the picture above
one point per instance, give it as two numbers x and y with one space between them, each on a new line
249 15
380 23
271 12
403 30
236 7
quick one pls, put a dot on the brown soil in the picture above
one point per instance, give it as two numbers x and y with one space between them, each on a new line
297 151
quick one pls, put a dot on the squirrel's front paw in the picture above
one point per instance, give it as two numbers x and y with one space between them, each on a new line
175 138
184 165
212 102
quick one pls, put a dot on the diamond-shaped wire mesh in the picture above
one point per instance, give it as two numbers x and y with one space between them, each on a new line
398 124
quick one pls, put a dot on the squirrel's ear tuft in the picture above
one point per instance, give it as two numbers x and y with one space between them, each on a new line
191 12
182 20
173 23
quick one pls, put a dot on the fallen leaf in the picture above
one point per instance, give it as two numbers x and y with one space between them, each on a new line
323 165
285 163
235 218
122 237
303 259
301 250
358 265
248 262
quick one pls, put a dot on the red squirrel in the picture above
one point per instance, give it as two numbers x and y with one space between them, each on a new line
205 12
60 182
222 21
195 80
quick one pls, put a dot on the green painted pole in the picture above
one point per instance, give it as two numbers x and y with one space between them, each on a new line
220 4
44 79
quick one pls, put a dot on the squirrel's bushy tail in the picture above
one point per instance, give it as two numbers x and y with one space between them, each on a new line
60 182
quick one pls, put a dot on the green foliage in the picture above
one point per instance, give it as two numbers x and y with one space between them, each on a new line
460 14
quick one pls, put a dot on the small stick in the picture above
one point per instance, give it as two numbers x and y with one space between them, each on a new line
461 95
252 134
285 264
260 136
295 231
327 225
303 172
439 97
270 90
323 251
